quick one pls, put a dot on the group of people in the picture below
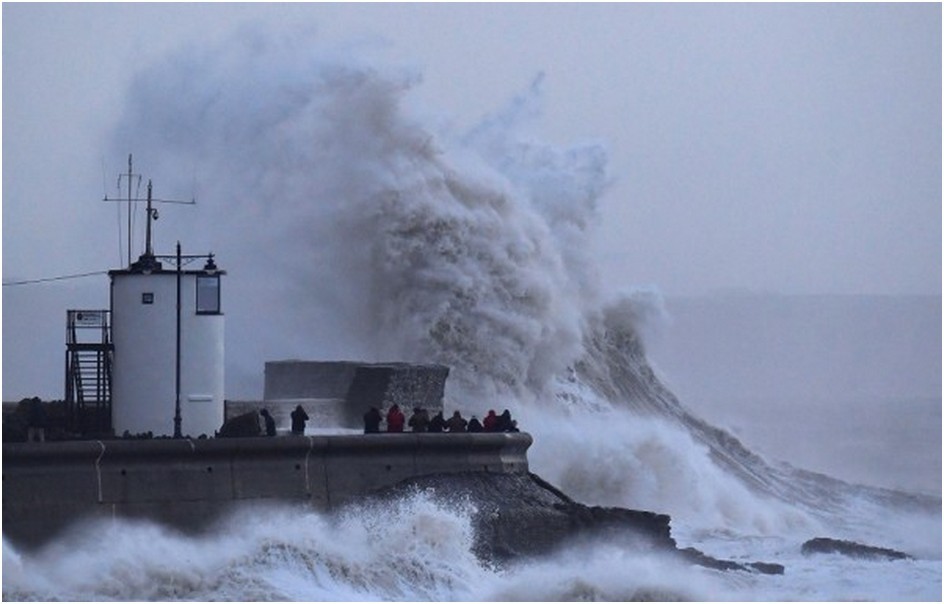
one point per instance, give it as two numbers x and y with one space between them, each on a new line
420 421
299 417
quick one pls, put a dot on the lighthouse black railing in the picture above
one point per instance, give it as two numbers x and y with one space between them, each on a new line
89 352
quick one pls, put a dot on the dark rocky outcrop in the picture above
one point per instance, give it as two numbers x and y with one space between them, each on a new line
700 558
825 545
521 515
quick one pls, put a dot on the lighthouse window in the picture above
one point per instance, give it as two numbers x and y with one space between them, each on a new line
147 297
208 294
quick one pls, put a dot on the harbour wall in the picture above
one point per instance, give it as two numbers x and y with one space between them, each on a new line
188 484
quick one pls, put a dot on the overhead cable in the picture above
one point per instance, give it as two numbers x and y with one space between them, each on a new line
59 278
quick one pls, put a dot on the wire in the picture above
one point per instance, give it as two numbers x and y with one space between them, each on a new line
59 278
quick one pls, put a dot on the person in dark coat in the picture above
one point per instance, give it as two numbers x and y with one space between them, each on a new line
456 423
299 417
395 419
419 421
437 423
474 425
372 421
269 422
504 422
490 423
36 421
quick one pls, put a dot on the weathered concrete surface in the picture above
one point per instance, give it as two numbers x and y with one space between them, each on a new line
355 386
307 379
188 483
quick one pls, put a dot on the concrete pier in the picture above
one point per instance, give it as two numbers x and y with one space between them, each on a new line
188 483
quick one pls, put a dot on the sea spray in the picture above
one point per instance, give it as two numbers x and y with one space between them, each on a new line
412 549
416 548
615 458
372 235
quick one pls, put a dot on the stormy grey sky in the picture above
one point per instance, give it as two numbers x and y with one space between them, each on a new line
781 148
765 148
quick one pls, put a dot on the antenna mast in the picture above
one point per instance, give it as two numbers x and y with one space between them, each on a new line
151 211
130 176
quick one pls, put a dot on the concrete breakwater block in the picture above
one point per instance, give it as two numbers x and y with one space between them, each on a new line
344 390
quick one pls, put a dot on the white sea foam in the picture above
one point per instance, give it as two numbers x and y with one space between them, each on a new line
613 458
419 550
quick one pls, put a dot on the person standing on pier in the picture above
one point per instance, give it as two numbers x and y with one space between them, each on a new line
475 425
419 421
372 421
437 423
456 423
299 417
269 422
490 423
36 421
395 419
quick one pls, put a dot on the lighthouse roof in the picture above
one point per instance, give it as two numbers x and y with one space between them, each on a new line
148 264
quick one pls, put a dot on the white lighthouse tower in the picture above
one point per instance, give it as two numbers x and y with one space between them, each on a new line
167 331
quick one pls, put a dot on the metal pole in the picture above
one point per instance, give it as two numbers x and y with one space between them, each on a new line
150 213
177 420
129 208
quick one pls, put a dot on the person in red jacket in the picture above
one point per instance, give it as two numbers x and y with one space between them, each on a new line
490 423
395 419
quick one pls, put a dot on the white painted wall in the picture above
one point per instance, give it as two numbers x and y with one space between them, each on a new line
144 335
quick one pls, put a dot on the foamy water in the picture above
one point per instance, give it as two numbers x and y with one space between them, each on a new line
421 550
374 233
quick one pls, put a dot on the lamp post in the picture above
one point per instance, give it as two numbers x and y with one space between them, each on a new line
211 269
177 418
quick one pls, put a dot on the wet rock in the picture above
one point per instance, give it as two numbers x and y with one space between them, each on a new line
702 559
767 568
515 516
521 515
825 545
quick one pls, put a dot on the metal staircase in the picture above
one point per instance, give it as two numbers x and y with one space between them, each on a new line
89 352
